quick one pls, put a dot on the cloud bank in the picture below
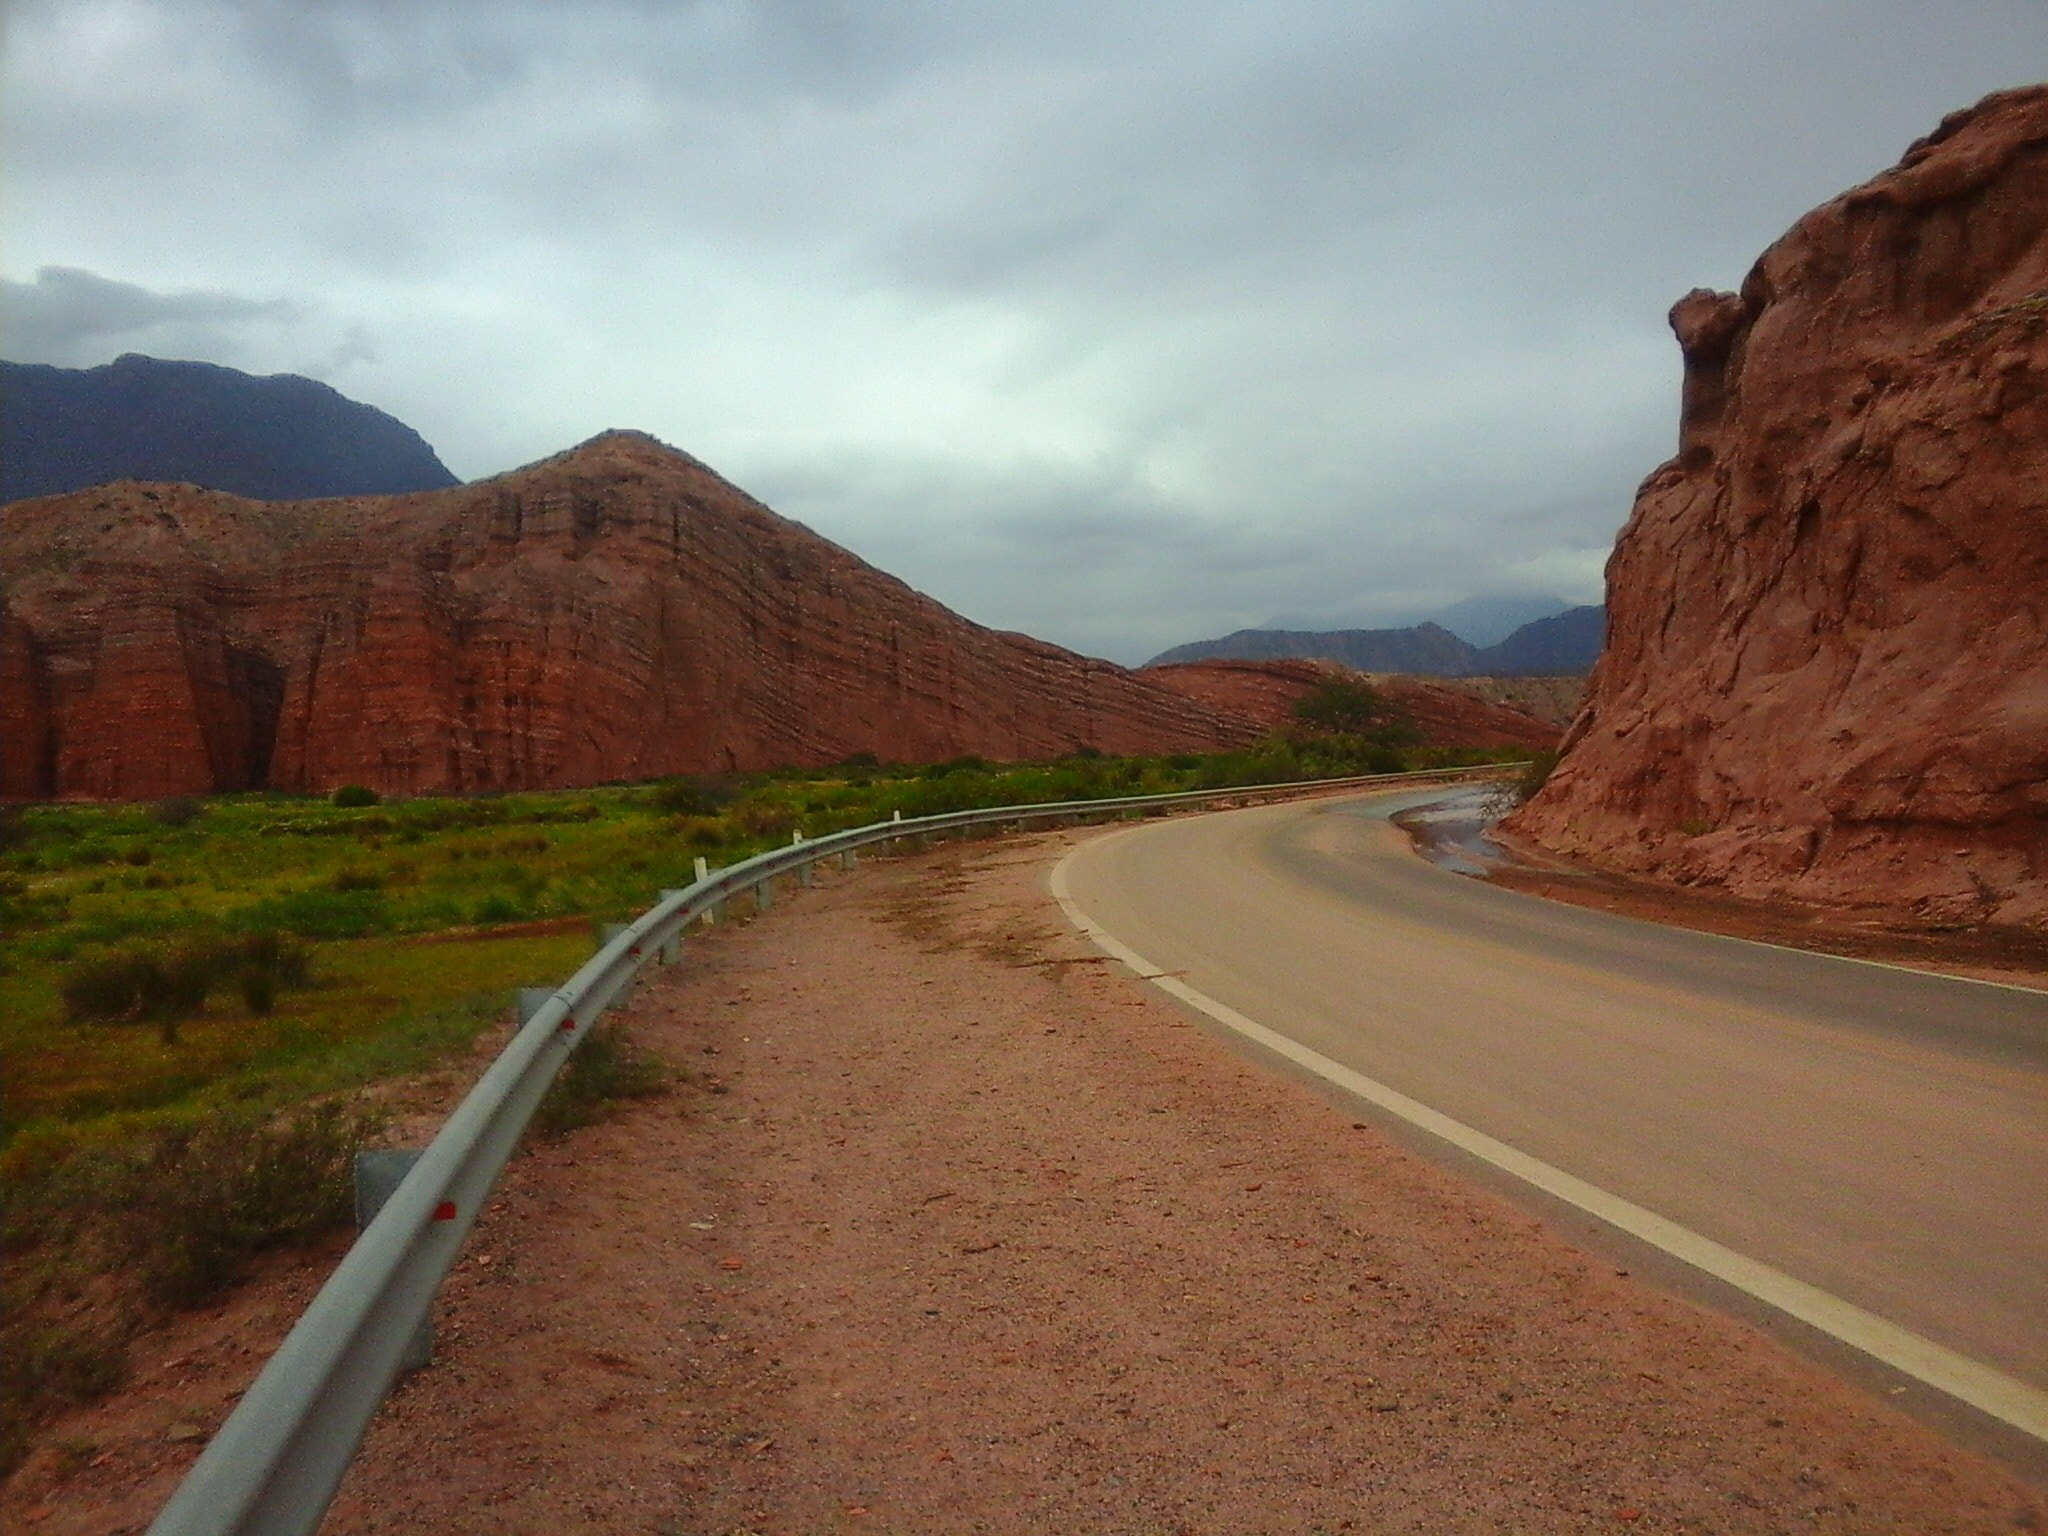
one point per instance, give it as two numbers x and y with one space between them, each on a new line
1119 323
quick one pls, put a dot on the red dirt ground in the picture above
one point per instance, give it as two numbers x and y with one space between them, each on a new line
950 1226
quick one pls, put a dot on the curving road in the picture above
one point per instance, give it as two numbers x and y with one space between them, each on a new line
1877 1135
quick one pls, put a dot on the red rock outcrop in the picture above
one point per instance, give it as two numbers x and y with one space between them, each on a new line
616 612
1267 691
1826 673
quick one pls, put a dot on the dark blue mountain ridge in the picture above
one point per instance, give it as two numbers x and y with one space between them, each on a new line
1564 644
278 437
1567 642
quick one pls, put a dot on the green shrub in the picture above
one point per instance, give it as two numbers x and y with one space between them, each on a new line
965 764
148 985
67 1367
1347 707
106 986
701 831
188 1201
1534 776
498 908
355 797
259 992
317 914
352 879
167 1212
686 796
48 1366
757 818
287 963
188 974
176 811
607 1066
138 856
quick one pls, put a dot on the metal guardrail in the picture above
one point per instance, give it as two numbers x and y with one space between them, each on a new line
274 1466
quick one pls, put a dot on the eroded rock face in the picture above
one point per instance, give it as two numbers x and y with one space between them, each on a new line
1826 673
617 612
1267 691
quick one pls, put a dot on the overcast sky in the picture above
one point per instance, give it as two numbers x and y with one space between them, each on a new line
1123 324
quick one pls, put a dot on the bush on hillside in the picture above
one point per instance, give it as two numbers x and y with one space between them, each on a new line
687 796
145 985
1345 707
177 811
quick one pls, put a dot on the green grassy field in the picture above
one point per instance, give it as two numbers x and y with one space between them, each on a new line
427 910
404 927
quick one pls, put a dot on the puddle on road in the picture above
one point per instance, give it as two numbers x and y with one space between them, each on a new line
1452 832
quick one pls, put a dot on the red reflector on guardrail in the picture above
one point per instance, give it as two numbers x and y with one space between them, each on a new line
445 1211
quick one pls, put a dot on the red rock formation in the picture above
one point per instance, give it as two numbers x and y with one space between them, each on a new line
1826 673
24 715
1262 691
616 612
1267 691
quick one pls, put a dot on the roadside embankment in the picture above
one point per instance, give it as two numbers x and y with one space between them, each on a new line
950 1225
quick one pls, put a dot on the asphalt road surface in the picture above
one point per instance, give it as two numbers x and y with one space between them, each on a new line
1878 1134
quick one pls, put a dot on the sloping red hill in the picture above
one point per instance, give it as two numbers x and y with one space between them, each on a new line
616 612
1826 672
1267 691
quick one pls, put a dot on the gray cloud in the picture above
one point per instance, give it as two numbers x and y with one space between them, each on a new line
69 316
1120 323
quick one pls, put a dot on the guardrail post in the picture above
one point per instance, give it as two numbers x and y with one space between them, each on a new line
377 1176
527 1002
671 953
764 895
716 910
847 859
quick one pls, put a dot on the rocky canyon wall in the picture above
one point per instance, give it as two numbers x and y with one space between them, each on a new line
1826 673
1267 691
617 612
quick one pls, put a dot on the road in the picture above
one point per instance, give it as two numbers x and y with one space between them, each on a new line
1876 1133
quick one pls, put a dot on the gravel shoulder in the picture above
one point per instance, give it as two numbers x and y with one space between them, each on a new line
951 1226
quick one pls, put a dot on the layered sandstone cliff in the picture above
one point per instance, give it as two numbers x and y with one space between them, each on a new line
1267 691
616 612
1826 673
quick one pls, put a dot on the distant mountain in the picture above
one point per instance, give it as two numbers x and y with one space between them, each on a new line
1570 642
1490 618
1425 650
276 438
1565 644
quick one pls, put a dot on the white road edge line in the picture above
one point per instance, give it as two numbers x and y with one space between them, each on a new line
1783 949
1989 1391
